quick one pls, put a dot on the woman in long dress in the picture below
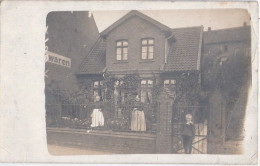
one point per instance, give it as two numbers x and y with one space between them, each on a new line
138 118
97 115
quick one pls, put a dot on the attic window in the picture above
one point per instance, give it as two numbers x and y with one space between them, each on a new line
121 50
147 46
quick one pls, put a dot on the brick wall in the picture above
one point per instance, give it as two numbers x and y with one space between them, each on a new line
164 124
134 29
123 143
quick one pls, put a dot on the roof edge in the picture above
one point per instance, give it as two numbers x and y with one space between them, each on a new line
201 26
93 47
129 15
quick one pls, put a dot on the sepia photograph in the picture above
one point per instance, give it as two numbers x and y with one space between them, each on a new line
147 81
129 82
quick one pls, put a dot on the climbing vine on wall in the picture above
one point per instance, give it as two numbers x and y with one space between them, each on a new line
188 89
228 77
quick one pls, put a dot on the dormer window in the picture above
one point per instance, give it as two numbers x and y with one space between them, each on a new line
121 50
147 47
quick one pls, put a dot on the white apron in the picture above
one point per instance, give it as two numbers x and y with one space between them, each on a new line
138 121
97 118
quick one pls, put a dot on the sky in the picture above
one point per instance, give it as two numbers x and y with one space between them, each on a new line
216 19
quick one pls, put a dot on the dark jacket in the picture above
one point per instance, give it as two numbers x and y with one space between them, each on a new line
188 130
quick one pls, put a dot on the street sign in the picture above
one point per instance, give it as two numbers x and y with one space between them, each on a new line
57 59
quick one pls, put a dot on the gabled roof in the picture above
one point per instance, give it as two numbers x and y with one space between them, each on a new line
185 51
95 61
138 14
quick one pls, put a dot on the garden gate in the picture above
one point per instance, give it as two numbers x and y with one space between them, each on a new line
199 145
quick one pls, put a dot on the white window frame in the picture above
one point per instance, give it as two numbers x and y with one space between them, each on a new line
122 50
147 49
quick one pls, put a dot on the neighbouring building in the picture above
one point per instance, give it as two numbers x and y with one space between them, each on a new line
69 36
226 78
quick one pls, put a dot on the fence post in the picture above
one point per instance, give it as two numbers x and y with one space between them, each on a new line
164 124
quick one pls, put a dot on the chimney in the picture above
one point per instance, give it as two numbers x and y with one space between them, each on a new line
244 24
209 28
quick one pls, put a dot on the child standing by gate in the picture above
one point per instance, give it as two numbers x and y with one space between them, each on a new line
188 134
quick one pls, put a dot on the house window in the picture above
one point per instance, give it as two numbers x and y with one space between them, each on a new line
169 83
146 91
121 50
118 92
119 97
147 48
99 90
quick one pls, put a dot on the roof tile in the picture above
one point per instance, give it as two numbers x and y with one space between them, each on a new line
95 61
184 52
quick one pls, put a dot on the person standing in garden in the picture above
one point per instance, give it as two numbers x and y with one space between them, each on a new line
188 134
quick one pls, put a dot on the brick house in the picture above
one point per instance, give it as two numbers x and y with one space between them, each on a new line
137 44
158 57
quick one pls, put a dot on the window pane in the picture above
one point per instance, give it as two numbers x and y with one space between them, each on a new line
125 57
96 84
150 55
150 49
144 55
166 82
95 93
150 82
173 82
118 57
119 43
125 43
144 49
150 41
118 51
144 41
125 50
143 82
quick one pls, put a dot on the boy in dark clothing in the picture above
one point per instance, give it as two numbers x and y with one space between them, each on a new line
188 134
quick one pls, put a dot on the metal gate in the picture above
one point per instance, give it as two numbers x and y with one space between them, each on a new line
199 114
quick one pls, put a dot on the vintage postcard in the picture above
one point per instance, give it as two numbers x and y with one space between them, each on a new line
131 82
